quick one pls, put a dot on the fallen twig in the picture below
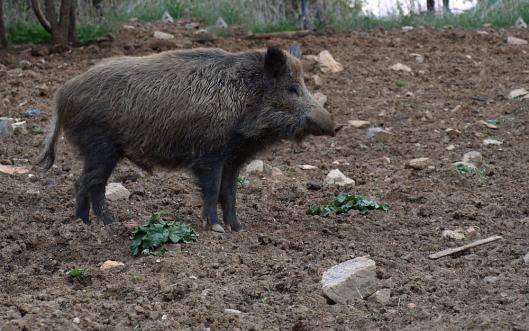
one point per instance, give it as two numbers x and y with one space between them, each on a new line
451 251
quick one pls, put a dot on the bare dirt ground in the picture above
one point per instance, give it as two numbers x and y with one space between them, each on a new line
271 271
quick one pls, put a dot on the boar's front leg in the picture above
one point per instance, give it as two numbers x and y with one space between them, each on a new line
209 178
228 192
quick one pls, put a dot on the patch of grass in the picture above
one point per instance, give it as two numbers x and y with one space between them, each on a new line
88 33
464 169
21 32
400 83
345 202
156 232
77 273
242 181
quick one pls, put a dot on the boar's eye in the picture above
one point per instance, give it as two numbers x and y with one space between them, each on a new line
294 90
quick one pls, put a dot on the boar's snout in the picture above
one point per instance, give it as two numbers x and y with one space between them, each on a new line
319 123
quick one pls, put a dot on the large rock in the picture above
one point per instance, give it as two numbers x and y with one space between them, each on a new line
255 167
162 35
167 18
400 67
473 157
6 127
336 177
421 163
520 23
116 192
516 41
328 63
349 281
518 93
359 124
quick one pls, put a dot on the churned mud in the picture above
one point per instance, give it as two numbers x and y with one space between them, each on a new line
271 270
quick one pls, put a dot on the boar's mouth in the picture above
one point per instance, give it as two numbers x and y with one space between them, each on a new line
319 123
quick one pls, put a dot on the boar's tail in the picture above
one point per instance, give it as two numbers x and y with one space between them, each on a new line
47 157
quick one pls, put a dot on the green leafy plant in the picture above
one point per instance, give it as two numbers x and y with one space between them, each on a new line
463 169
77 273
156 232
242 181
400 83
345 202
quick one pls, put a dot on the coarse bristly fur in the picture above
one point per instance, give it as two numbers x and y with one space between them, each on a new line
205 109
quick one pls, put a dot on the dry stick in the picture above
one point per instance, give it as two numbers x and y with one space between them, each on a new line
450 251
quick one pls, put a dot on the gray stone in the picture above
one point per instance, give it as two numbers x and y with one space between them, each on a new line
162 35
359 124
516 41
336 177
351 280
526 258
491 279
491 141
473 157
221 23
328 63
421 163
400 67
455 235
116 192
517 93
520 23
32 112
232 312
379 133
6 127
167 18
381 296
255 167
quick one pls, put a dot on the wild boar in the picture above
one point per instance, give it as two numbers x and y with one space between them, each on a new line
206 110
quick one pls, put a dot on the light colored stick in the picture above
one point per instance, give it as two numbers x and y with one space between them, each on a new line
451 251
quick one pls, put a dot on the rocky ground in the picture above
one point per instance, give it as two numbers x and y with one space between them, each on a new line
430 97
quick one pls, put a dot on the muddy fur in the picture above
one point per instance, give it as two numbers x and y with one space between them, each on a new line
204 109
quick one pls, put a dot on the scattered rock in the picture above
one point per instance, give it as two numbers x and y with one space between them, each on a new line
320 98
419 59
232 311
109 264
192 25
307 167
455 235
32 112
221 24
379 133
203 36
336 177
128 27
450 147
328 63
24 64
116 191
473 157
6 127
359 124
412 305
490 141
526 258
520 23
162 35
19 127
276 172
421 163
381 296
255 167
167 18
452 133
516 41
471 231
350 280
76 320
400 67
317 80
407 28
488 125
518 93
491 279
11 170
481 32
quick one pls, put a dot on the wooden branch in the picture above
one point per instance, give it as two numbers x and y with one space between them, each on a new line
40 16
451 251
287 34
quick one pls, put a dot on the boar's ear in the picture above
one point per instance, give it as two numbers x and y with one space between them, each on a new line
275 62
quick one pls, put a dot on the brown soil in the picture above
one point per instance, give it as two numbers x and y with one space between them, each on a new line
271 271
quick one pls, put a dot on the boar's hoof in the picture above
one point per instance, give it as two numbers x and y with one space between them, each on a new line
217 228
235 226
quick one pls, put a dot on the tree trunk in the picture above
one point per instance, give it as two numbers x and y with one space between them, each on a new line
3 37
61 32
446 6
61 25
430 5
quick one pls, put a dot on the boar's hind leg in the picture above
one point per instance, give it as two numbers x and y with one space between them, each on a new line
99 162
209 182
228 192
